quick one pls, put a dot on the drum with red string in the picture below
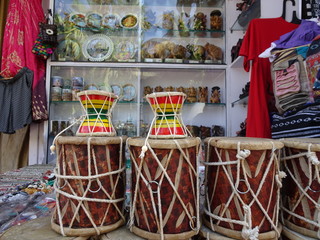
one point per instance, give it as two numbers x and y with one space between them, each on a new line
242 182
90 185
165 191
301 188
98 106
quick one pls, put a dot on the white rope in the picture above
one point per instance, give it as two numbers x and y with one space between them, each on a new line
247 231
279 178
87 177
53 145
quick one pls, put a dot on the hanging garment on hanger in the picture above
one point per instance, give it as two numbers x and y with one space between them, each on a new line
260 34
15 101
20 32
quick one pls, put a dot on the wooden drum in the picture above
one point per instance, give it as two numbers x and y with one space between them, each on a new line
301 189
242 182
90 185
165 188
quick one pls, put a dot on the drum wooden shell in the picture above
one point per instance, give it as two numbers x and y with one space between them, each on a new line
301 172
288 234
153 185
256 179
101 182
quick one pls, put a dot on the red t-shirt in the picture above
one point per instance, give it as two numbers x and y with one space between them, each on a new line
259 36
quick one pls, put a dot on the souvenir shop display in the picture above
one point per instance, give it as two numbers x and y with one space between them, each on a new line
243 181
300 196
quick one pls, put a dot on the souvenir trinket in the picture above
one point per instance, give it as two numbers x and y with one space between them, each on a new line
98 47
124 51
168 20
200 24
78 19
203 94
184 25
192 95
111 21
94 22
129 21
215 95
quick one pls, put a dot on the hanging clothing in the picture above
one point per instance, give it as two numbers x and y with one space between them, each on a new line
15 101
303 35
259 35
21 30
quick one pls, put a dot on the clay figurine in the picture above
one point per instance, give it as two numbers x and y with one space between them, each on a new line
213 52
192 95
147 90
215 20
158 89
203 94
169 89
215 95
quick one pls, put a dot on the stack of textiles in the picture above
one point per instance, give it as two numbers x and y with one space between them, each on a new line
295 68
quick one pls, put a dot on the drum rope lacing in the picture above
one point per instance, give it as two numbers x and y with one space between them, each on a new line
247 232
82 199
161 222
313 160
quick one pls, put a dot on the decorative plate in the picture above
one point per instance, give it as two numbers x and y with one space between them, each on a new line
78 19
98 47
116 89
111 21
124 51
129 92
129 21
91 87
94 21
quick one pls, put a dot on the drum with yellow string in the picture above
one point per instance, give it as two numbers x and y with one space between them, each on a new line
98 106
167 122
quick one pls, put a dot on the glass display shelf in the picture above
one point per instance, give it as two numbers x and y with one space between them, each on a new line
243 101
